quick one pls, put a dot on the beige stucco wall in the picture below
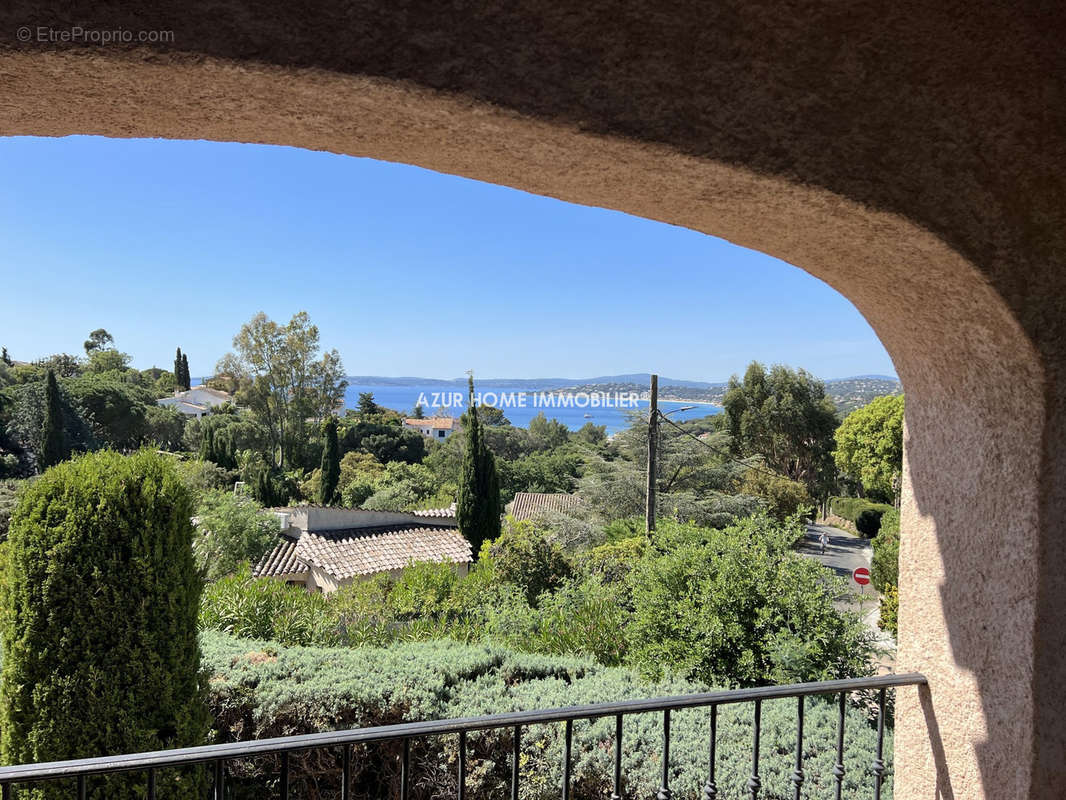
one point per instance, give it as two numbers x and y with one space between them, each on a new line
911 154
315 518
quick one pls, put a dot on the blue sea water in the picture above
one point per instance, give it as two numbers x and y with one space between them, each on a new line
404 399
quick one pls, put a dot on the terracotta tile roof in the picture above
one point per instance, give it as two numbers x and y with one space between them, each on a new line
282 560
448 512
435 423
365 551
526 504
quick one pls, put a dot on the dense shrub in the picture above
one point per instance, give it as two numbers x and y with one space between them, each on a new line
613 562
584 618
232 530
734 606
783 497
889 616
884 568
868 523
9 490
202 476
865 515
261 689
265 608
99 608
525 556
739 607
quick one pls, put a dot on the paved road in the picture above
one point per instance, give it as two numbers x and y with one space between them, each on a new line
844 553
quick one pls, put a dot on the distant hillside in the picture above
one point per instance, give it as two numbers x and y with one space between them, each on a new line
851 393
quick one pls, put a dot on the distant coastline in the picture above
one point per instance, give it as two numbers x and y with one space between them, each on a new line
847 394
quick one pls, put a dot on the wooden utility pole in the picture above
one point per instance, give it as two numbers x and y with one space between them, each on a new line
653 441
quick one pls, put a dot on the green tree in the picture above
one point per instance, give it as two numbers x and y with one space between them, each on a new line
490 415
331 465
107 360
181 371
53 440
547 434
478 505
233 530
417 413
178 376
786 417
591 434
98 620
404 486
116 410
783 497
63 365
99 339
164 427
6 358
286 381
869 445
26 408
367 406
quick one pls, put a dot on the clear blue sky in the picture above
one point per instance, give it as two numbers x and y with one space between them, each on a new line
405 271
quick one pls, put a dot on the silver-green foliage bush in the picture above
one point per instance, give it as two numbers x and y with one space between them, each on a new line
262 689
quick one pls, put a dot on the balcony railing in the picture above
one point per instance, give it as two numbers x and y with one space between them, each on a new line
217 756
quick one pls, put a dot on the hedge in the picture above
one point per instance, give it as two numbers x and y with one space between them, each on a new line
884 570
99 608
260 689
865 515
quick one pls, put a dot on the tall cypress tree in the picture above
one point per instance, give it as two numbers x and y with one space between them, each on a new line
53 439
178 380
331 465
98 624
478 505
186 379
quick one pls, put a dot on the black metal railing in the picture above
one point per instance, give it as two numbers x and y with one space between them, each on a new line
217 756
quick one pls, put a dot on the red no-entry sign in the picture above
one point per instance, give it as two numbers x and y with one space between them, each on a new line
861 576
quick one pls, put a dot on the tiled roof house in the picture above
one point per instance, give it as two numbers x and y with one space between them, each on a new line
433 427
326 548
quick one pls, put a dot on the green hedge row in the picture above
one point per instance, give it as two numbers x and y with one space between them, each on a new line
260 689
865 515
884 569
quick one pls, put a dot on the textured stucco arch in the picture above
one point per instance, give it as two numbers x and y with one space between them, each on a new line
911 157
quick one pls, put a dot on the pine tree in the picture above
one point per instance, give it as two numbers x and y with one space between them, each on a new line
478 505
99 623
331 465
6 358
186 379
178 381
53 439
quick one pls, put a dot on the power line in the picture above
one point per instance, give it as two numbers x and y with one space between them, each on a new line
718 450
